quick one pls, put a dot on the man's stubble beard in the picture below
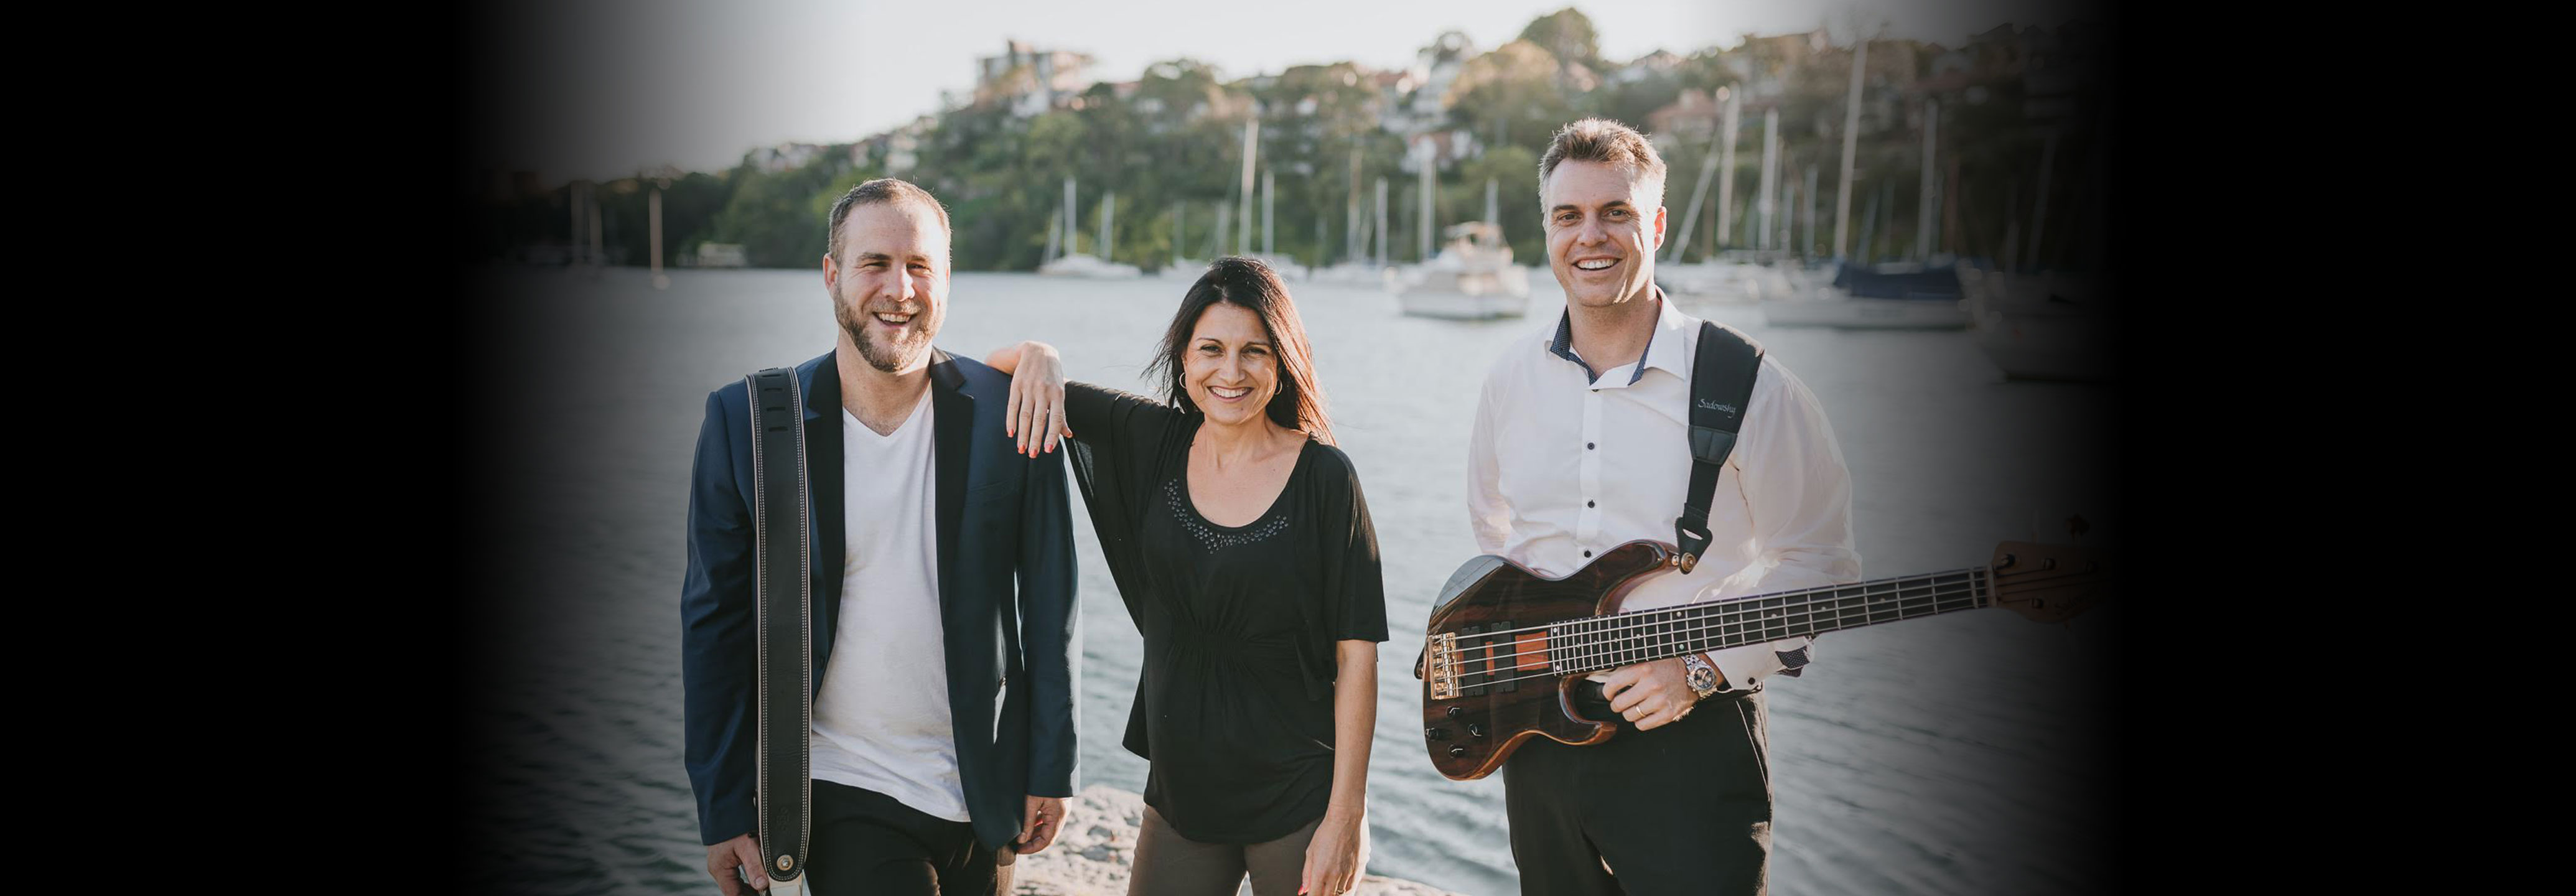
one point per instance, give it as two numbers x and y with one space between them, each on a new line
885 358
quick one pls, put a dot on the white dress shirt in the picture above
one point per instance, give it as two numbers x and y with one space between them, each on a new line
1564 465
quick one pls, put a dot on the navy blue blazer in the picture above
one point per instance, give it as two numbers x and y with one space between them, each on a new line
1006 580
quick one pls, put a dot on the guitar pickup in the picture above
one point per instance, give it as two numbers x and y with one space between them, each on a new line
1475 666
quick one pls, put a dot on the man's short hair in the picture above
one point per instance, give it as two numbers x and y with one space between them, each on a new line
880 190
1607 142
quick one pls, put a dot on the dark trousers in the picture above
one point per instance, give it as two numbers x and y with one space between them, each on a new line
1682 809
866 843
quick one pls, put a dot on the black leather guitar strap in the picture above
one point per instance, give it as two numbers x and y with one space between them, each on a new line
782 531
1722 374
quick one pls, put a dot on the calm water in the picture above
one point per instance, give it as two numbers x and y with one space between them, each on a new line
1956 754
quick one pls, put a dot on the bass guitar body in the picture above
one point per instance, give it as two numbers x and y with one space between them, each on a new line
1489 684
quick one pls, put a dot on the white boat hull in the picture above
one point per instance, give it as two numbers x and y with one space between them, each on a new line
1079 265
1462 306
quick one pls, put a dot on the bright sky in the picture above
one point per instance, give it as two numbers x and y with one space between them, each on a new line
601 88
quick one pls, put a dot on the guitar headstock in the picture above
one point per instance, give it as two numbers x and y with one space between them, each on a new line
2049 582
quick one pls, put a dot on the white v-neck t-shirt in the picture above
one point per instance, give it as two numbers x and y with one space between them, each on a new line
881 720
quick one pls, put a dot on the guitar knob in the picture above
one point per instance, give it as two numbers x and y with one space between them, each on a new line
1455 752
1475 730
1456 711
1436 733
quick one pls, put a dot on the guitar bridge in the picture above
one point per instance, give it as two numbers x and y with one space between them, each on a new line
1443 667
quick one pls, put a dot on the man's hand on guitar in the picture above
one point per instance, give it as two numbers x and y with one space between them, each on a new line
726 861
1650 695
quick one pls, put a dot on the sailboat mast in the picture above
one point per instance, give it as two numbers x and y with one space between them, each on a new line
1251 147
1422 212
1851 147
1699 191
1770 175
1929 200
1381 222
1726 188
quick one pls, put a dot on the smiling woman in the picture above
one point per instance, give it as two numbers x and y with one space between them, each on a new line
1241 544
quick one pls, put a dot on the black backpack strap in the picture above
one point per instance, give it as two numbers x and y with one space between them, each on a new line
781 531
1722 373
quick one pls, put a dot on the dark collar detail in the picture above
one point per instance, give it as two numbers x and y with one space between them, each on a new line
1563 347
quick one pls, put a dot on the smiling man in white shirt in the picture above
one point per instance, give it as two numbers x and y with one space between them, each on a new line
1582 444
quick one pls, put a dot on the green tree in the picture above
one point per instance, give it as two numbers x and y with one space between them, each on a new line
1510 94
1567 34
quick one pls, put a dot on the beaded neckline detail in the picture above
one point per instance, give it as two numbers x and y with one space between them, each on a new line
1213 538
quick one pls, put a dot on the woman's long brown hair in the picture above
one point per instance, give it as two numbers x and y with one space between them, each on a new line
1249 284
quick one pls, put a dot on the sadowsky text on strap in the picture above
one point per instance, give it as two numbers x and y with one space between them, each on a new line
783 532
1722 373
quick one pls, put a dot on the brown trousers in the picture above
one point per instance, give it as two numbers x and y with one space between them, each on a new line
1168 864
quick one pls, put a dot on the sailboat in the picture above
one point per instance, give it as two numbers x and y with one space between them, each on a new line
1897 295
1473 277
2043 325
1287 268
1357 266
1728 277
1077 264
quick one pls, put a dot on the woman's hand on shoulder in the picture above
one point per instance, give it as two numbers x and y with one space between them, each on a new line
1035 415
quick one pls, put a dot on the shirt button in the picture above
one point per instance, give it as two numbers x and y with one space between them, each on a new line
1587 503
1587 553
1587 446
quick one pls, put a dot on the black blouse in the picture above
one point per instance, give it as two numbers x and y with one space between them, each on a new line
1234 709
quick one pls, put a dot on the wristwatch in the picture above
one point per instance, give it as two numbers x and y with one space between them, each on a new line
1702 677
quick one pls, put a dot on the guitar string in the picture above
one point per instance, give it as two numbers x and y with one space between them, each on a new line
1865 589
1591 659
1735 607
1692 619
1730 616
1552 672
1916 582
1587 640
1758 634
1629 655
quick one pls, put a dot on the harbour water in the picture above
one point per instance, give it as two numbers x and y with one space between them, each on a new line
1961 754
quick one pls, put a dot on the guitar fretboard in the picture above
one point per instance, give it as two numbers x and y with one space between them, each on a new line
1603 642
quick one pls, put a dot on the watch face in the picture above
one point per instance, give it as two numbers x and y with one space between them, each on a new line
1702 678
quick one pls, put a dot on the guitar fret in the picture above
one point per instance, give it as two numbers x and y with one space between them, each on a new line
1620 639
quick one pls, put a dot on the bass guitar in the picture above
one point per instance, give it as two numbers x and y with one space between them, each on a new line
1506 646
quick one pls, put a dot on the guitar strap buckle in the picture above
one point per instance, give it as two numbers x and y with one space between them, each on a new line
1692 543
1722 373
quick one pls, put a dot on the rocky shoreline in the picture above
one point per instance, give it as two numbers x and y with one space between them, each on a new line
1091 856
